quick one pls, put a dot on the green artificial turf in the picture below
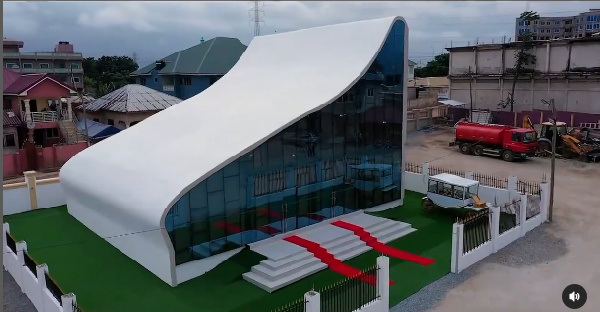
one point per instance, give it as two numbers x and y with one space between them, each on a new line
103 279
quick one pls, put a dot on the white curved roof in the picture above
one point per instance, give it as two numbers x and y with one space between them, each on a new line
139 173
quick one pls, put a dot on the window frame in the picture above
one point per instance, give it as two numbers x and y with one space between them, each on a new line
14 139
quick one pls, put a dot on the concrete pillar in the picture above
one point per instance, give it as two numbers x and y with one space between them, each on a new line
523 214
69 109
32 186
512 183
68 301
21 249
41 270
544 200
457 248
469 175
5 229
383 281
27 111
495 221
313 301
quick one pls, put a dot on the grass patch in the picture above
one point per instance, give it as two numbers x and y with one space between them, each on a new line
103 279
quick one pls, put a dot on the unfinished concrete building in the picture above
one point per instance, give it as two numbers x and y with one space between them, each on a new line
566 70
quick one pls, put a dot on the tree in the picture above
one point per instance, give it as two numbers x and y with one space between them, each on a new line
108 73
438 67
523 57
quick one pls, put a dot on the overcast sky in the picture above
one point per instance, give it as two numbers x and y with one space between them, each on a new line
153 30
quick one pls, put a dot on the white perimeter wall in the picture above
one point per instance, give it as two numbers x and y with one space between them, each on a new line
32 285
17 197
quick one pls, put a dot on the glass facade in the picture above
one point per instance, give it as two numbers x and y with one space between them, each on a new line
345 157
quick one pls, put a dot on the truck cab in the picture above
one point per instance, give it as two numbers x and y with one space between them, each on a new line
522 142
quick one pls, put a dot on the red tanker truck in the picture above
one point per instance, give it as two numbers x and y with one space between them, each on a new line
507 142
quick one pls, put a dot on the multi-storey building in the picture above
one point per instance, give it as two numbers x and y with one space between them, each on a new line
566 70
185 73
547 28
63 64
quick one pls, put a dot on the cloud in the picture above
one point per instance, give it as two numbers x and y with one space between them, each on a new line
155 29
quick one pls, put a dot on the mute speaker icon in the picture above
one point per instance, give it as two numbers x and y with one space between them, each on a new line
574 296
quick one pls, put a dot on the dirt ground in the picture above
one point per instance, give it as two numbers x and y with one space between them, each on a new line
575 232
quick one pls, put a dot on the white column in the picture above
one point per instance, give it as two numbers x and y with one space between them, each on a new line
457 248
495 228
69 109
383 281
5 229
313 301
41 270
544 200
425 172
523 214
469 175
67 302
21 249
512 183
27 111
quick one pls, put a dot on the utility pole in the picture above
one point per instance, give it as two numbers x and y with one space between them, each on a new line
553 161
470 94
87 135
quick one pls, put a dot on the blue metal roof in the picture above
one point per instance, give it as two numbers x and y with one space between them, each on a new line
97 130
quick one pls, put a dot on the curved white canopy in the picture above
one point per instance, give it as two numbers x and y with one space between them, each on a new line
127 183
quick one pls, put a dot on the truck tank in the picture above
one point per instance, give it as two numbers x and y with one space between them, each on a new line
483 133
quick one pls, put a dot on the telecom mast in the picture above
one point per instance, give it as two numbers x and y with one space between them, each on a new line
257 17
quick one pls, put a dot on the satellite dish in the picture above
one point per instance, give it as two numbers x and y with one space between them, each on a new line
30 125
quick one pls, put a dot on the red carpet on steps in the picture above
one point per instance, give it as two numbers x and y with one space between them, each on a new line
334 264
379 246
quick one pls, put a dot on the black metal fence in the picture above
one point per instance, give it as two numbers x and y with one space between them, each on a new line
491 180
10 241
437 170
509 215
30 263
53 288
476 230
76 308
414 168
526 187
351 293
294 306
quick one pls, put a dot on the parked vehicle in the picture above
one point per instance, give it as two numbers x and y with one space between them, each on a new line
507 142
371 177
452 193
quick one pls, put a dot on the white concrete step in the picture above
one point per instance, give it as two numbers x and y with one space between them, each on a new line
288 279
393 235
275 264
274 275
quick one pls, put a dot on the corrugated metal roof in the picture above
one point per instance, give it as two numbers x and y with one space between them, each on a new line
8 78
10 118
212 57
132 98
97 130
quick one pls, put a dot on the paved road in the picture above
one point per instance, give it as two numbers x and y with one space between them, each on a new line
530 277
14 299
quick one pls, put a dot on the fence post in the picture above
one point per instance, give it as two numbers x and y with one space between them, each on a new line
41 270
67 302
469 175
457 247
495 227
31 185
523 214
512 183
313 301
425 172
5 230
383 281
21 247
544 200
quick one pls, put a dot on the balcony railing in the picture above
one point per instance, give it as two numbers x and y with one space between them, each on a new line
42 54
168 88
50 70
